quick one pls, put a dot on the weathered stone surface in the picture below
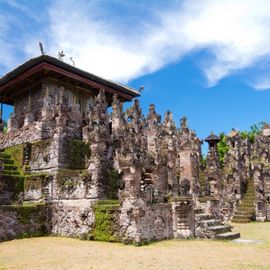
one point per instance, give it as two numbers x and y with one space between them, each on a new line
140 223
72 218
23 221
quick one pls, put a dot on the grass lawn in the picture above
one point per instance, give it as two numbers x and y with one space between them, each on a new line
53 253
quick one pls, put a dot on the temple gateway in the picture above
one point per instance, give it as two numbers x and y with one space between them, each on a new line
74 163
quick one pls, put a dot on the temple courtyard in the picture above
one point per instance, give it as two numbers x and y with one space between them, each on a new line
55 253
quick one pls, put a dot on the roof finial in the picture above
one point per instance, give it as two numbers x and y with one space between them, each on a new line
141 89
41 48
71 59
61 55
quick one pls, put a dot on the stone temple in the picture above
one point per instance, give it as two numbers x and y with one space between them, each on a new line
74 163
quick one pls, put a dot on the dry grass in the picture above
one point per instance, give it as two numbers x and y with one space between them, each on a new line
53 253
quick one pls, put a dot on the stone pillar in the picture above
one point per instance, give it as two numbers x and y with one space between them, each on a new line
259 202
232 165
171 165
169 135
153 127
28 118
189 157
97 135
116 117
213 167
12 123
26 157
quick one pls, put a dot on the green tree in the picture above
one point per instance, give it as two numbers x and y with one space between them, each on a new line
255 129
222 148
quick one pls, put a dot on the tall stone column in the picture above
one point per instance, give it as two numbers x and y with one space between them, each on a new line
116 118
153 128
97 135
189 157
169 132
213 167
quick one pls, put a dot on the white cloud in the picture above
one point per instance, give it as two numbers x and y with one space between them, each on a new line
7 57
261 84
236 35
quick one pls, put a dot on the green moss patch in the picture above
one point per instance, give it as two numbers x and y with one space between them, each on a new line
77 153
112 184
12 185
202 181
35 181
14 153
40 147
106 221
69 178
206 198
32 218
26 212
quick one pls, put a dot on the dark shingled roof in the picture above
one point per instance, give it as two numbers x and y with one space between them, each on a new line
46 59
212 137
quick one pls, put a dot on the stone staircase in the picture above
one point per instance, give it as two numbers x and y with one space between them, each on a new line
11 180
246 210
7 166
212 227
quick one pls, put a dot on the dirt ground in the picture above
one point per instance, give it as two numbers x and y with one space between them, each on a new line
55 253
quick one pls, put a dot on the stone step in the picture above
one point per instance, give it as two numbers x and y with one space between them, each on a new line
186 227
210 222
243 216
7 161
245 212
228 236
240 220
4 155
201 217
220 229
198 211
10 167
5 172
247 199
247 204
245 208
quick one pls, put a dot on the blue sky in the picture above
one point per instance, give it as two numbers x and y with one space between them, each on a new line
207 60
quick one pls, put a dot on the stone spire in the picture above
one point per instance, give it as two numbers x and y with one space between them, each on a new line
97 134
213 187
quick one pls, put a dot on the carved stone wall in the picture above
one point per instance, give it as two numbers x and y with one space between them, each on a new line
22 221
140 223
73 218
261 173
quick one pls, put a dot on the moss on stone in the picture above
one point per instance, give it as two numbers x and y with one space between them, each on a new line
105 227
202 180
26 211
14 185
19 187
39 147
109 202
112 184
77 152
15 153
65 177
10 172
35 181
206 198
